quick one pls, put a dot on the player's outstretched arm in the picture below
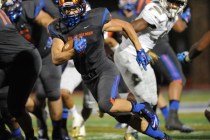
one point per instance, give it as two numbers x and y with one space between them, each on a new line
116 25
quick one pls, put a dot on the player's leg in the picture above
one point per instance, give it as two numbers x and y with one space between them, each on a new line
50 77
170 68
88 105
70 79
22 76
109 102
36 104
8 119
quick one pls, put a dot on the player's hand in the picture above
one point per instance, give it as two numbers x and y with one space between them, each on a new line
153 56
80 45
183 57
143 58
150 116
186 15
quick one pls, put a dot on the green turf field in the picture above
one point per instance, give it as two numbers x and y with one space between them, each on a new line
193 101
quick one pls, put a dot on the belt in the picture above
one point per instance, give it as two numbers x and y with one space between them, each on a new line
90 75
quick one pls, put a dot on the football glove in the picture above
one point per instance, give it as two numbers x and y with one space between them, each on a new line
183 57
80 45
186 15
153 56
143 58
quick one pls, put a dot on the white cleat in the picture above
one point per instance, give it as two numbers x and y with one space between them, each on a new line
76 125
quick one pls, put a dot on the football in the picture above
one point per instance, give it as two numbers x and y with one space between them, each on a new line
68 45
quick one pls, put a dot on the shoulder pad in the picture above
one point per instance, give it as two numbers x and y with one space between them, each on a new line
154 14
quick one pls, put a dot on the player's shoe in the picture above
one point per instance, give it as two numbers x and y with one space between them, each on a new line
121 125
167 137
42 134
173 123
65 134
82 133
132 136
77 123
18 137
207 114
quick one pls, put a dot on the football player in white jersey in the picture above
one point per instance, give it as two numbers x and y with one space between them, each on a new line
155 21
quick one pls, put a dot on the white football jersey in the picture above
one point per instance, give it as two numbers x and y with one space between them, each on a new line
160 25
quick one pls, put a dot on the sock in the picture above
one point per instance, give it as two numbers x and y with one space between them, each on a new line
137 107
164 111
174 104
154 133
56 129
74 112
65 117
17 132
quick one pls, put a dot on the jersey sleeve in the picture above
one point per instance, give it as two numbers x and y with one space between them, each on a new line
49 7
54 33
153 14
29 9
106 16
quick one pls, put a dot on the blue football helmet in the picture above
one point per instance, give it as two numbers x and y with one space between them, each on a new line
72 11
13 9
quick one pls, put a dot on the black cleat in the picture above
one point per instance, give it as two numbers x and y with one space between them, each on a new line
65 134
42 134
207 114
173 123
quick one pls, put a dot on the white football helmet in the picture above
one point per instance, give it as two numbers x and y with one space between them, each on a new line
173 7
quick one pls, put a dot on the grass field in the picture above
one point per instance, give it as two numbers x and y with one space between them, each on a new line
191 112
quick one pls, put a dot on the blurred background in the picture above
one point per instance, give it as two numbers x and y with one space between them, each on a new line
198 72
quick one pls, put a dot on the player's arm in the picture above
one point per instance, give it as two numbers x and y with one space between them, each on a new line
116 25
200 46
183 20
196 49
140 24
120 25
61 52
43 19
180 25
